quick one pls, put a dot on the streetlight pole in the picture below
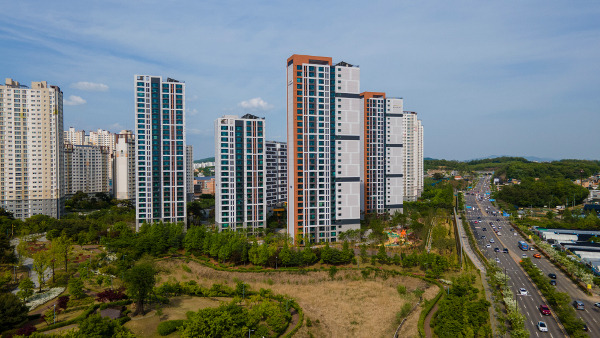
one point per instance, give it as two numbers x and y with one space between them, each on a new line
249 332
276 262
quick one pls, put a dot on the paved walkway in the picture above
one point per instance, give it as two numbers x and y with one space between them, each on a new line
466 245
28 263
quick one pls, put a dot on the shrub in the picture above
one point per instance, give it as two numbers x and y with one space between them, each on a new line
110 295
63 302
186 268
26 330
401 289
168 327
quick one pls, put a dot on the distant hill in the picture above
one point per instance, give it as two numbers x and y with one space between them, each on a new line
528 158
208 159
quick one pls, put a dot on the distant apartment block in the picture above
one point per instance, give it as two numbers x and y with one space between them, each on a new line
160 150
204 186
31 149
240 175
86 169
73 136
413 156
103 138
344 149
124 166
276 172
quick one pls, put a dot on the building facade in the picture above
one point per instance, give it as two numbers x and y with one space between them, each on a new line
124 166
276 174
31 149
344 157
160 150
413 156
189 157
240 176
86 169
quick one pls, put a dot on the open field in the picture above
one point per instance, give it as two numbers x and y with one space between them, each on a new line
348 306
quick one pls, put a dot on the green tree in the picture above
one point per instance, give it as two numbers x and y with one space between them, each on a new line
12 311
364 257
76 288
140 280
7 251
25 289
62 248
95 326
40 263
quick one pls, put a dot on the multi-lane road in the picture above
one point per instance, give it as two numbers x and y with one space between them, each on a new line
484 213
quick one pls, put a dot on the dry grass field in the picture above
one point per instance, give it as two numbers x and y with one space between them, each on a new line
345 307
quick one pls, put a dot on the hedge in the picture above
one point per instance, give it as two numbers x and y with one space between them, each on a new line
168 327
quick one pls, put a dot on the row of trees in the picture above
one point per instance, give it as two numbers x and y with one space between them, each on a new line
463 312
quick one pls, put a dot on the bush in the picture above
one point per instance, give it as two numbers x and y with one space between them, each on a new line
168 327
26 330
401 289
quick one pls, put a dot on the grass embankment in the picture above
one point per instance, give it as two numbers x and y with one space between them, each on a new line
348 303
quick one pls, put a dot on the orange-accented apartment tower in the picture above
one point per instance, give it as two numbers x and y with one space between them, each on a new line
344 158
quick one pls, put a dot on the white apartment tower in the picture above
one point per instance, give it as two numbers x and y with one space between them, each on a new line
413 156
160 150
240 174
344 149
31 149
276 174
124 166
73 136
86 169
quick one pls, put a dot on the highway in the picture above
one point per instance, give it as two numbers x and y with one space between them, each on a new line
508 262
508 239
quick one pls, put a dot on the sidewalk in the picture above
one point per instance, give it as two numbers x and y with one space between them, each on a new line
464 242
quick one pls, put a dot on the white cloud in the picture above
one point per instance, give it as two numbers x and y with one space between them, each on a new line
90 86
256 103
198 131
116 126
74 100
191 112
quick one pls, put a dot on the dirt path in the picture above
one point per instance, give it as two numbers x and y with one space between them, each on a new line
428 321
293 322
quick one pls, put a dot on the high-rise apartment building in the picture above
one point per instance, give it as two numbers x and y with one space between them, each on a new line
276 174
124 166
73 136
104 138
240 201
413 156
86 169
189 157
344 149
160 150
31 149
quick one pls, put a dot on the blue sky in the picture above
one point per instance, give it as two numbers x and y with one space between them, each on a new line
486 77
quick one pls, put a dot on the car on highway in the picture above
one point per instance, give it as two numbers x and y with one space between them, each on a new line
488 246
498 233
492 240
514 233
552 275
542 327
523 256
553 282
497 260
497 219
483 236
545 310
505 250
537 255
585 327
523 292
496 249
484 229
597 304
578 305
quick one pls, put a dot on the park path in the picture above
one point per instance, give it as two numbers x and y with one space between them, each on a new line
28 263
427 323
